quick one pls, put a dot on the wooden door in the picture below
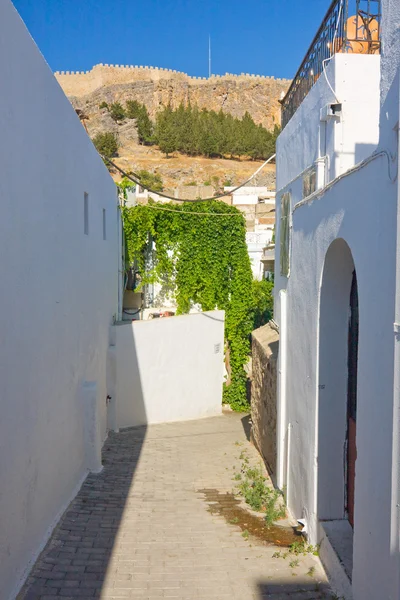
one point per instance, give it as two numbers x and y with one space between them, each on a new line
352 401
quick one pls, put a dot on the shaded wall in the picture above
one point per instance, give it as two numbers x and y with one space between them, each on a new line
169 369
265 345
59 295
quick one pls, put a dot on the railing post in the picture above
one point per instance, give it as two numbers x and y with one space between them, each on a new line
346 18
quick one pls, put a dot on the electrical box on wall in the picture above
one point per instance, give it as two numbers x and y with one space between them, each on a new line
330 111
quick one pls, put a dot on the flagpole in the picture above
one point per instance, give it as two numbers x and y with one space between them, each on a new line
209 56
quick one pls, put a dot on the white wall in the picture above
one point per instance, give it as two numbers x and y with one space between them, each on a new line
169 369
350 211
59 295
256 242
361 209
355 80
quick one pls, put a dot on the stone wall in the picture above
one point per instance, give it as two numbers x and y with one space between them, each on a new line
85 82
265 344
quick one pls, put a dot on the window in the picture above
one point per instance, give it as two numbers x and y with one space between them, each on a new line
104 224
309 182
285 234
86 213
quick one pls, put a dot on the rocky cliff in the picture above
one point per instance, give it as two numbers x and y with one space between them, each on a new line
155 88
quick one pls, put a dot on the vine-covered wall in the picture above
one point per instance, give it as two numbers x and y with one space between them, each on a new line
201 257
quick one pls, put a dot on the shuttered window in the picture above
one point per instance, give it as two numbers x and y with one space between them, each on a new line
309 182
285 234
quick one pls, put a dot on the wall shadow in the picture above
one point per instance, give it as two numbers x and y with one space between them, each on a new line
301 590
246 424
76 560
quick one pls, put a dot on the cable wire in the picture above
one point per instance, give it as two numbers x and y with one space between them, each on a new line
322 191
217 197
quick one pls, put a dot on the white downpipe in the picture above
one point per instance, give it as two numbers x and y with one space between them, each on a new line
121 251
281 412
289 428
395 511
321 160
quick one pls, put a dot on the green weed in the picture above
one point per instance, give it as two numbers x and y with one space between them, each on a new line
311 572
258 494
301 547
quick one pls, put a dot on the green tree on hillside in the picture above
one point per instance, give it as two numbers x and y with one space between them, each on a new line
106 143
117 111
144 126
199 132
165 131
132 109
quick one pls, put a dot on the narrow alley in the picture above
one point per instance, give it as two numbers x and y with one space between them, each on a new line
143 528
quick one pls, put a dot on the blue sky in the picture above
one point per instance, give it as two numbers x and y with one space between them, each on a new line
251 36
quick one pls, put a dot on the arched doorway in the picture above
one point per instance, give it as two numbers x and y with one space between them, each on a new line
337 395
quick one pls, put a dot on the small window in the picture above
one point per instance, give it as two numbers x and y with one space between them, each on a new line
104 224
86 213
309 182
284 234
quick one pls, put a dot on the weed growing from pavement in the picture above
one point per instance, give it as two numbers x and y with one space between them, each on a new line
301 547
254 488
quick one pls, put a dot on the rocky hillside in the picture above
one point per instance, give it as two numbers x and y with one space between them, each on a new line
158 87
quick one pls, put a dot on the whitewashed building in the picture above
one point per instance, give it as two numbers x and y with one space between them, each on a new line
337 297
70 370
59 280
257 203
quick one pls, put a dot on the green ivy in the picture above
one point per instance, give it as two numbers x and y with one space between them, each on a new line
202 260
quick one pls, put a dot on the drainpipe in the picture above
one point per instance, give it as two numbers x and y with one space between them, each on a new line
281 412
321 160
395 513
121 251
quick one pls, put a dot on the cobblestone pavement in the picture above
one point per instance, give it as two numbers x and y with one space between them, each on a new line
141 528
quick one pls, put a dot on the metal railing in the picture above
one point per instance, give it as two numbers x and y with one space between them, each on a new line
358 33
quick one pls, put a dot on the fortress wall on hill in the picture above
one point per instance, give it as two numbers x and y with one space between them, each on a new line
81 83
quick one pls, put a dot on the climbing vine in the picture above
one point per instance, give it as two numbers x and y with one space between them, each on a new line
202 260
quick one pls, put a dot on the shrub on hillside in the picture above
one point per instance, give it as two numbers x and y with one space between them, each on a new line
117 111
132 109
151 180
106 143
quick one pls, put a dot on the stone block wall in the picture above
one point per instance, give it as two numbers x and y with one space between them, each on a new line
265 345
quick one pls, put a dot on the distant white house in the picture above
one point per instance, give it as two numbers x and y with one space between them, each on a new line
250 194
337 298
258 206
139 195
256 243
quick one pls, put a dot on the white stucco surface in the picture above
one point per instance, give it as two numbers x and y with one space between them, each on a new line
315 226
348 139
59 295
169 369
352 222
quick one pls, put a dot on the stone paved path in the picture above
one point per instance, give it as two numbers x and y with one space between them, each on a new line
141 529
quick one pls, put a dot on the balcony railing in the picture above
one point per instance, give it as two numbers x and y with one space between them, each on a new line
358 33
